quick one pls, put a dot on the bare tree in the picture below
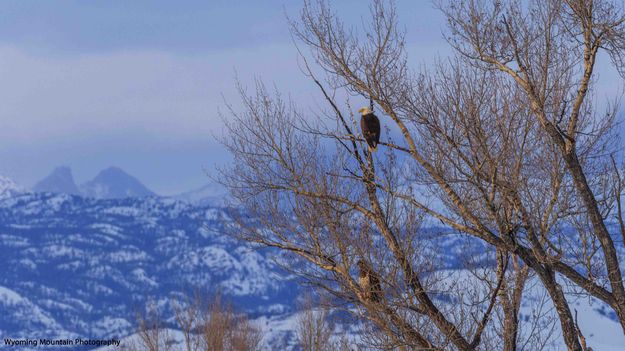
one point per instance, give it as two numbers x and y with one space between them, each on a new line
224 330
188 315
502 144
314 332
214 326
548 51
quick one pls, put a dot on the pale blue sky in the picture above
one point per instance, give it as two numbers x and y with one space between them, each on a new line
138 84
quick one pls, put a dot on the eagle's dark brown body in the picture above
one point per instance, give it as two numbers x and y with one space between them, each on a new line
370 125
369 282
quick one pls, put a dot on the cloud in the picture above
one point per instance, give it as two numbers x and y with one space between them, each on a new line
154 92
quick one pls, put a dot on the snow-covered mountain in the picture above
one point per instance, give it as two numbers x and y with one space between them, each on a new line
114 183
60 181
8 187
75 266
82 267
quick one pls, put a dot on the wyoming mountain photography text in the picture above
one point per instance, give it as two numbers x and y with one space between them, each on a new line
312 175
60 342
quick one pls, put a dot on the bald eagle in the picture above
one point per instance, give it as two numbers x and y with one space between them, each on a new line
370 125
369 282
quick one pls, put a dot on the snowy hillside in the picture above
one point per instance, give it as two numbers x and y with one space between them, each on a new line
75 266
8 187
82 267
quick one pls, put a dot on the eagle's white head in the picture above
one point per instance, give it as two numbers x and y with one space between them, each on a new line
365 111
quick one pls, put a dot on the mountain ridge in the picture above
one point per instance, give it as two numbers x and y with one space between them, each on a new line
114 183
110 183
209 194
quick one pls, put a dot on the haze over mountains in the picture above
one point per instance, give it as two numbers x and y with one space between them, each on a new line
60 181
110 183
210 194
115 183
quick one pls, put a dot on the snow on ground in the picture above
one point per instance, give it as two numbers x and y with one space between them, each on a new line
11 301
112 325
9 297
133 342
601 332
276 331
